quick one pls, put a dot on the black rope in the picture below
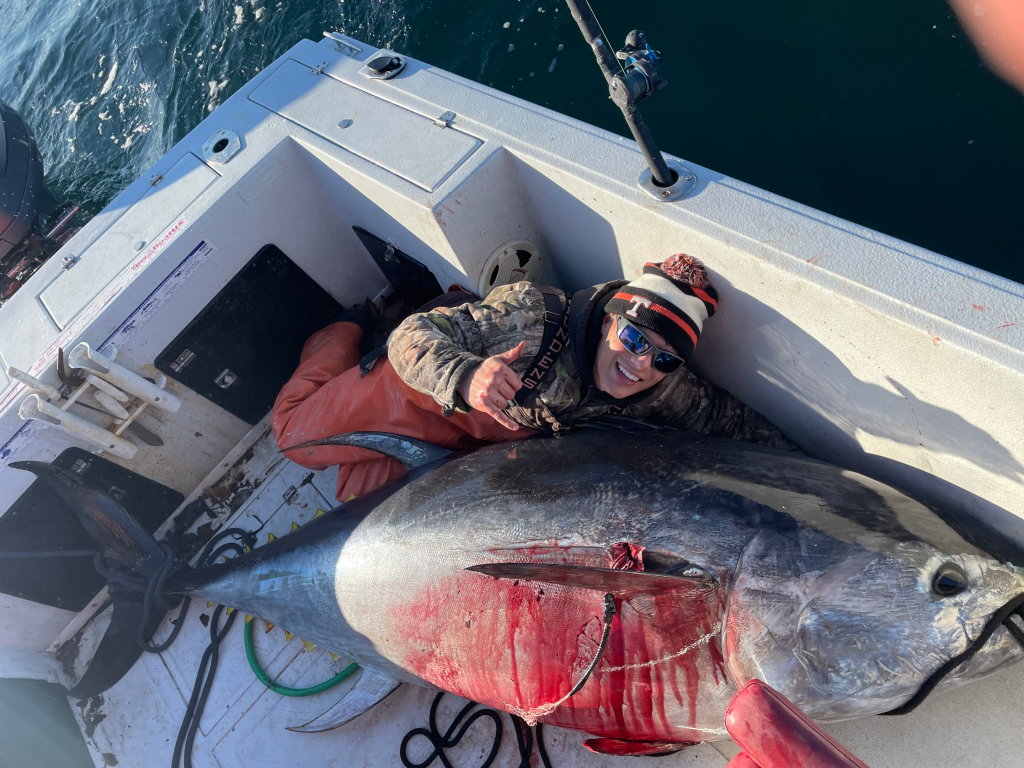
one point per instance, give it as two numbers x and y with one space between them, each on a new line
1016 631
1003 616
524 737
208 664
154 592
609 614
201 690
539 728
441 743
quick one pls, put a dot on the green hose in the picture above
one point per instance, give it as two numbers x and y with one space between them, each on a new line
276 687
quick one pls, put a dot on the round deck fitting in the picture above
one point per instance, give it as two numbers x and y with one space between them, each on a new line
221 147
684 185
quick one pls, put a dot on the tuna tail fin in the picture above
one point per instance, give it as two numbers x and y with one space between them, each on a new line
129 557
410 452
122 542
119 648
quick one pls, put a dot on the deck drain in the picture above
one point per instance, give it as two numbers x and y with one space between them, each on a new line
221 147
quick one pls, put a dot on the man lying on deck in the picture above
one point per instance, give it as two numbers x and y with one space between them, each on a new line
525 359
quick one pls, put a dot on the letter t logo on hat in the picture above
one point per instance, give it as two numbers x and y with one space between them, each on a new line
637 302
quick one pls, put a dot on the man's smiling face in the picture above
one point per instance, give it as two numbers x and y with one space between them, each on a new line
620 373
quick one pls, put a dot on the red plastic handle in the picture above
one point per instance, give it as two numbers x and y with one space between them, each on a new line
773 733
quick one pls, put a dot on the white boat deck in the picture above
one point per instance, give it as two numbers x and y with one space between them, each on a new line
868 352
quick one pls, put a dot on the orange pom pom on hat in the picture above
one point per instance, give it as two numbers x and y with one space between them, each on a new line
673 298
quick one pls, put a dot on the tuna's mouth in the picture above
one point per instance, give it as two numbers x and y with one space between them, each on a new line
1004 617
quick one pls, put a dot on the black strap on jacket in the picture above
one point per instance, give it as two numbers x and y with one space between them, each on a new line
556 339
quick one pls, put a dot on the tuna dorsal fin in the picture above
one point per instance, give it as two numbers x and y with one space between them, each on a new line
619 583
407 450
371 688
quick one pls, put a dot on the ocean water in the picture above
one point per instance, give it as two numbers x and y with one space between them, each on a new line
879 112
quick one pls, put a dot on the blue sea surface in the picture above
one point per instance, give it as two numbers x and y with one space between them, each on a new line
879 112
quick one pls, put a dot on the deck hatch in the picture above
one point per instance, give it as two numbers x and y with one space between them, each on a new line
245 344
410 279
401 141
40 521
74 290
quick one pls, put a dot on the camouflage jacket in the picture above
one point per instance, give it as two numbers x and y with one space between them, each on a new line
433 351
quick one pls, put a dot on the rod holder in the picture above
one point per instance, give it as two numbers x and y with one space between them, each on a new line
111 406
32 382
86 358
107 387
34 407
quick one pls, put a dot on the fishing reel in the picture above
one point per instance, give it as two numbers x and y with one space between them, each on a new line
642 75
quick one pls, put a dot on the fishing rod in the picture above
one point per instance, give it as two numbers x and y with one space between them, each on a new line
627 87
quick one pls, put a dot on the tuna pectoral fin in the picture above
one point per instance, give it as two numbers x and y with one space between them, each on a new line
625 747
622 584
410 452
370 689
119 649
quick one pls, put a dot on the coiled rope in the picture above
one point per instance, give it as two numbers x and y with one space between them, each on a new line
152 590
451 738
208 665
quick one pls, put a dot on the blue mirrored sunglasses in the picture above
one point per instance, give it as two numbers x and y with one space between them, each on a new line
636 343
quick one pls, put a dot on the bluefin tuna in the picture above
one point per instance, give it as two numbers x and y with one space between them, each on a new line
625 584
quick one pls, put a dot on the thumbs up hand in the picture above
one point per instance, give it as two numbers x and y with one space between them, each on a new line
490 387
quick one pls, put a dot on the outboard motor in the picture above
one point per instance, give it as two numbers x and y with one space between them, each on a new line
32 226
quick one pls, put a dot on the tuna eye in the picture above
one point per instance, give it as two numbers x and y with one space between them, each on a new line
949 580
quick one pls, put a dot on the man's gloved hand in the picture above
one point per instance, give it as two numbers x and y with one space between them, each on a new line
490 387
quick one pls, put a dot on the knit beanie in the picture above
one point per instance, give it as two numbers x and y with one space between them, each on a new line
673 298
